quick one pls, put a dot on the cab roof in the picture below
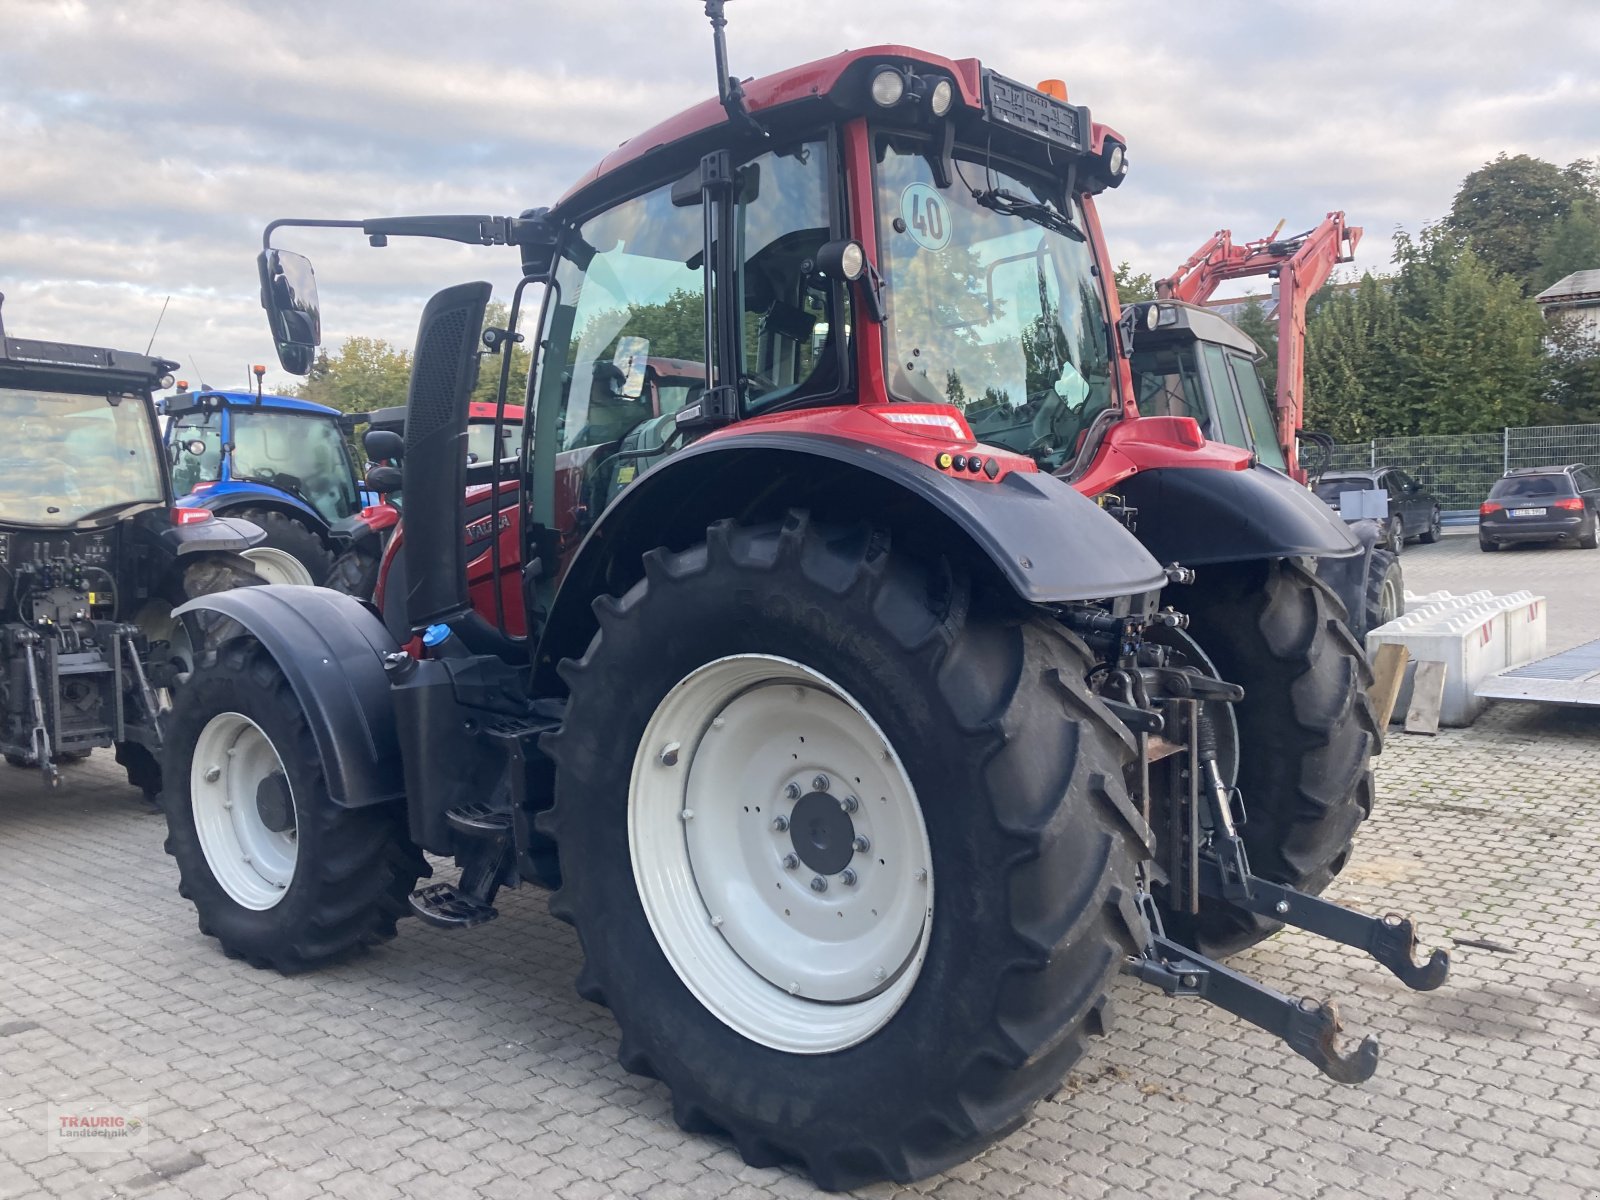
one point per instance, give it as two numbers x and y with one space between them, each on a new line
188 401
810 81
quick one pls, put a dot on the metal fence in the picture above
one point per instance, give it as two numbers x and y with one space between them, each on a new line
1460 468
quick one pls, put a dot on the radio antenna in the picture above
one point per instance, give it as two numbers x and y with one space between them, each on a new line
157 329
729 91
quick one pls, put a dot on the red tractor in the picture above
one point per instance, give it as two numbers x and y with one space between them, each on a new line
860 748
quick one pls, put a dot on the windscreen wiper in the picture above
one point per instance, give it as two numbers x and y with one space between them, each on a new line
1008 203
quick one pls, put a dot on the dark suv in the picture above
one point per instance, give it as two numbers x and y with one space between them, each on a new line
1542 504
1413 509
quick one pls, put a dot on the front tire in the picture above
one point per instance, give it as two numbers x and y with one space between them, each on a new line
277 872
888 1025
1435 529
1307 733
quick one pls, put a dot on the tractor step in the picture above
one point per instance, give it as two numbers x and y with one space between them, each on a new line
444 906
479 820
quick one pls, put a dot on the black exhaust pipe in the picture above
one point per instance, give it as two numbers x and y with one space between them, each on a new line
443 373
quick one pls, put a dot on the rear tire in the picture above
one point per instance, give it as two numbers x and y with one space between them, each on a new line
344 880
1307 733
1014 772
1487 546
1386 592
1591 539
1395 540
288 541
355 573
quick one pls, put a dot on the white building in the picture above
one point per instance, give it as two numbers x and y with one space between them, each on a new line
1577 297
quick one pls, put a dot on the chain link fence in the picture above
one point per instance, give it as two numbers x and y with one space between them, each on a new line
1460 468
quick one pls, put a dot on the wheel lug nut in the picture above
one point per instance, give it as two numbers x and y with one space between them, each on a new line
861 844
847 877
879 972
818 884
921 876
792 792
779 824
820 783
790 862
669 754
213 774
850 804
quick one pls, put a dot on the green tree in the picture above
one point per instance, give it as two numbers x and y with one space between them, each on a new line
1351 363
1446 345
365 373
1471 353
1132 288
1572 243
1507 207
1573 365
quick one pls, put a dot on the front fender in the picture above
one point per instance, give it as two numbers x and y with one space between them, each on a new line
1046 541
330 647
1199 516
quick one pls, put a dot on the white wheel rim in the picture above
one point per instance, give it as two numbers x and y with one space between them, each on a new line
1389 607
277 566
788 966
252 862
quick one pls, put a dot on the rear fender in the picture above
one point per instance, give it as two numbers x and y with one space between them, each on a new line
1200 516
330 647
1030 532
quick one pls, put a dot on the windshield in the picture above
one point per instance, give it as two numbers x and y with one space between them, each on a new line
67 456
998 313
189 470
480 441
303 454
641 297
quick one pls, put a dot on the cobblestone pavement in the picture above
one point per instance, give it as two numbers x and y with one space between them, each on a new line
446 1066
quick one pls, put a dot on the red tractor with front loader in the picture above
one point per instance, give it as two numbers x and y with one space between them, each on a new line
859 744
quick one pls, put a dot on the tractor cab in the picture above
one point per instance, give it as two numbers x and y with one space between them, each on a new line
226 446
93 555
284 464
1190 362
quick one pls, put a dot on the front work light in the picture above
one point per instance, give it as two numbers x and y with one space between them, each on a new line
888 87
940 98
1117 160
843 259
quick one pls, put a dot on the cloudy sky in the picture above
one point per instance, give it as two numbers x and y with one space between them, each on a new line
144 144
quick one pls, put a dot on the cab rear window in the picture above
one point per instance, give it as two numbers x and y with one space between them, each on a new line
1532 485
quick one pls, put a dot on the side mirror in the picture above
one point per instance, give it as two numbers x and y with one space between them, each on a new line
289 294
384 480
383 445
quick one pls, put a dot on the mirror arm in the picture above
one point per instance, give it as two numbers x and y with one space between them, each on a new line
473 230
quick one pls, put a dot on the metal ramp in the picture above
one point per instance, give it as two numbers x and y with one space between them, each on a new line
1570 677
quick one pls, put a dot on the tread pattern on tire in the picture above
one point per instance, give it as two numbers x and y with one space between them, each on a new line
1306 728
352 890
292 537
1058 831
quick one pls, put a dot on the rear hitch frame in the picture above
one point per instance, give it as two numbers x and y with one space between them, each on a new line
1308 1026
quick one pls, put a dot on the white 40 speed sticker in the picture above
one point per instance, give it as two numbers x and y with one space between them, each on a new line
926 215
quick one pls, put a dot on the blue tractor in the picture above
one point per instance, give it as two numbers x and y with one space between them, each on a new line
282 463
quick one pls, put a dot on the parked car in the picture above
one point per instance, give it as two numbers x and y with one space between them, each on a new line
1413 509
1542 504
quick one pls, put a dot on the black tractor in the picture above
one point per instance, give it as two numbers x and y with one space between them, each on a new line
94 557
